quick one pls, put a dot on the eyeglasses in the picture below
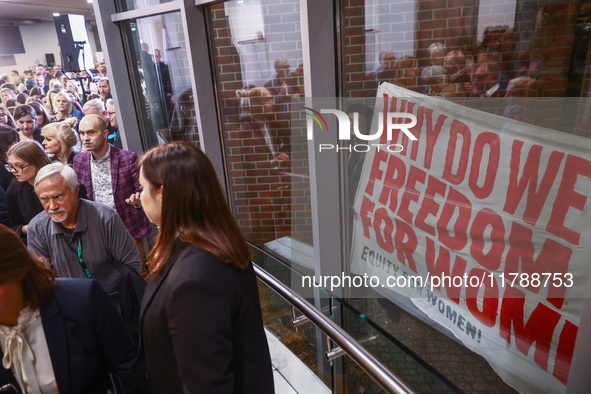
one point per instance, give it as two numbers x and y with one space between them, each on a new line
17 169
111 113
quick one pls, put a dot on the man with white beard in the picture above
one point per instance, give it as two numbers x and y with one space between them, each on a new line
76 236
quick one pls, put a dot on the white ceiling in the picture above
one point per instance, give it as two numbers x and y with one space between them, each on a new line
42 9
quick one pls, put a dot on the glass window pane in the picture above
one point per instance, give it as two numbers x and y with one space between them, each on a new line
515 74
471 49
128 5
258 58
161 79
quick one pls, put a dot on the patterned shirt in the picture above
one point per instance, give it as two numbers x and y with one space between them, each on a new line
102 187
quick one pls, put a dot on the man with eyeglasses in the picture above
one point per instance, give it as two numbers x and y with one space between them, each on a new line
114 137
83 239
76 235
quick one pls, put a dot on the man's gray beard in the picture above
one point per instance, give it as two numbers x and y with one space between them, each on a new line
61 219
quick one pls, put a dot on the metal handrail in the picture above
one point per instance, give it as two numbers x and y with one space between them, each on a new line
387 379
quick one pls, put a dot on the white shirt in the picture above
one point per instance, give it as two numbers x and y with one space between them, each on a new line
102 186
26 354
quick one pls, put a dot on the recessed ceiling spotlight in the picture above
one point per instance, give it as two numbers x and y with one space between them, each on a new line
56 14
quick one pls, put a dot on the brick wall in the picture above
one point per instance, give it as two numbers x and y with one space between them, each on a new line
268 202
526 37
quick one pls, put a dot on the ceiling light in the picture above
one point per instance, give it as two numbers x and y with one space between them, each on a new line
56 14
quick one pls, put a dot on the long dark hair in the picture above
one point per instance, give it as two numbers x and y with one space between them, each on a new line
17 264
8 137
194 208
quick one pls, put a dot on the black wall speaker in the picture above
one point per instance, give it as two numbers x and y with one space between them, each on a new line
72 59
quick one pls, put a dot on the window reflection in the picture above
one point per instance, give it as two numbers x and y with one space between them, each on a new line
524 61
475 49
127 5
162 85
260 73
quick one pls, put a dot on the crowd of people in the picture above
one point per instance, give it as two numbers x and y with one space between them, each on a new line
40 116
489 70
76 211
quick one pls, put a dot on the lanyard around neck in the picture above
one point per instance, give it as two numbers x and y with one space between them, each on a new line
79 253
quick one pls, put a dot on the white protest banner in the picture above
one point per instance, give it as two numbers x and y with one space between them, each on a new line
494 214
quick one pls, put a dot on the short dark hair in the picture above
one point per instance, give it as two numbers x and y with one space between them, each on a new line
24 110
36 91
21 98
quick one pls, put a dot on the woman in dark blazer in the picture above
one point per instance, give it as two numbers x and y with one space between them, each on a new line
58 335
25 159
201 323
8 137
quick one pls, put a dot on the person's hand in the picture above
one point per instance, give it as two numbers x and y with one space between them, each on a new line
283 90
281 157
24 229
135 200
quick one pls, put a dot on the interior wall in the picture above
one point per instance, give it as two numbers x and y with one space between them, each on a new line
38 40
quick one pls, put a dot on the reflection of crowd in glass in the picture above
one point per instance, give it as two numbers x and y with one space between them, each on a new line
493 69
266 142
265 111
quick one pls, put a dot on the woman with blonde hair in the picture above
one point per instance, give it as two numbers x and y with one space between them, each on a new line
7 94
55 84
60 138
62 106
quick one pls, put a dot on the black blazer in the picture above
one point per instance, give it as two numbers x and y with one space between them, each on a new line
23 205
201 328
5 176
85 334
